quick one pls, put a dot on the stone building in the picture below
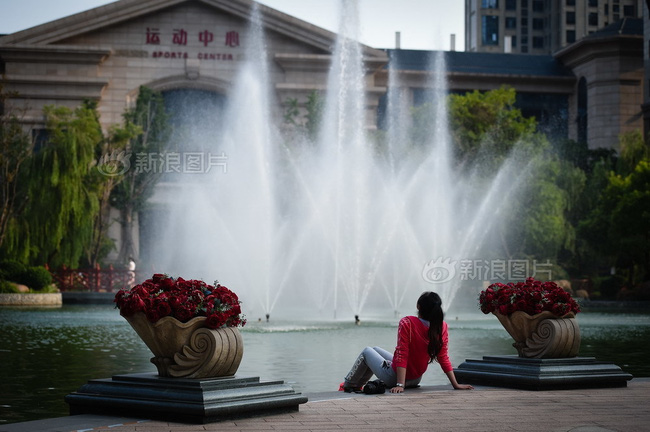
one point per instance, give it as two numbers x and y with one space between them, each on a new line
594 87
609 71
107 53
591 90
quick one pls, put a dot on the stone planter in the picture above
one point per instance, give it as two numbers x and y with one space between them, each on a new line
543 335
190 350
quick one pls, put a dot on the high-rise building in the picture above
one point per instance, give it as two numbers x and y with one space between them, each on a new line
539 26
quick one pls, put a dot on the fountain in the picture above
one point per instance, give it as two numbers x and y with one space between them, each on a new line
337 227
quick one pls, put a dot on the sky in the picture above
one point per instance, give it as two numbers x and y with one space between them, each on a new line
423 24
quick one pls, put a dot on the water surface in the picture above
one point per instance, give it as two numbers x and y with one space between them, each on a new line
48 353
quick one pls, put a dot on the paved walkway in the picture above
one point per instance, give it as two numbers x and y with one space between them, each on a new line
426 409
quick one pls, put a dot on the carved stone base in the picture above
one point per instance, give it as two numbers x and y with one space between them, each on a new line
188 349
543 335
541 374
150 396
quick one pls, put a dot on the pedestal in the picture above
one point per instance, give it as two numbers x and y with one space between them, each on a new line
541 374
183 400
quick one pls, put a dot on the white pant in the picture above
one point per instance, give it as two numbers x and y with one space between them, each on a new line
377 361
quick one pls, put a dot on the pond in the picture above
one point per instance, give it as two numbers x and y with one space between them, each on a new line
47 353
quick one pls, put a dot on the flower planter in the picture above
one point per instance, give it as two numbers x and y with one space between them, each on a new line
189 350
543 335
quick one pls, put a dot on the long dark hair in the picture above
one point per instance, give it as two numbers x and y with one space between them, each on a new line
430 309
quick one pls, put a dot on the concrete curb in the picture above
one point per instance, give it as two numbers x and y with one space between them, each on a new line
31 299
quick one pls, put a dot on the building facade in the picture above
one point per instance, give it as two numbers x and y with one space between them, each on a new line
106 54
591 90
539 26
609 70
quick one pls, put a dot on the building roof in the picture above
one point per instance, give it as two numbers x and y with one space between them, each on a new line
481 63
54 32
625 27
626 34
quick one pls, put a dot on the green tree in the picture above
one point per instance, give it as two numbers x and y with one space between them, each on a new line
62 188
131 194
308 123
15 150
315 107
50 198
111 164
486 126
487 130
604 239
633 151
619 225
541 225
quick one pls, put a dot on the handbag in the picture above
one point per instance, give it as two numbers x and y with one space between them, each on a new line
374 387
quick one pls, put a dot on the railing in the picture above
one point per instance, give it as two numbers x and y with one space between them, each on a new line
94 279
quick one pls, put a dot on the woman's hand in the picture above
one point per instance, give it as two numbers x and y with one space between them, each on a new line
397 389
455 384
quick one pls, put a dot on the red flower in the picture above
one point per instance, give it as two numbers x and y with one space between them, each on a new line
531 296
184 314
162 307
152 315
215 321
183 299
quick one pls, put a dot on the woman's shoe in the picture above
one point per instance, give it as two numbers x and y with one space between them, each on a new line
342 387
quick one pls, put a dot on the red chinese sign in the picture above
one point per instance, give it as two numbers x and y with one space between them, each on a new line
180 37
153 36
206 37
232 39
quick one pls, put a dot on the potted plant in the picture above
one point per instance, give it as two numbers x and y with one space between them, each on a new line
540 317
190 326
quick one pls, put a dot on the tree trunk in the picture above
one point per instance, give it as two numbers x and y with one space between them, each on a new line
646 264
4 221
127 248
100 227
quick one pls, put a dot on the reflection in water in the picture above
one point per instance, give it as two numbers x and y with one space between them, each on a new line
48 353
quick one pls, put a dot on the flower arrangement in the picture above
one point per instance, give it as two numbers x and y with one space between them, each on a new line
531 297
182 299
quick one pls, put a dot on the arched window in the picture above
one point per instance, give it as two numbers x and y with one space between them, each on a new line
582 110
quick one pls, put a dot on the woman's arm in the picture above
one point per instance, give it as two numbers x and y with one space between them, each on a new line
401 356
401 379
445 363
454 383
400 359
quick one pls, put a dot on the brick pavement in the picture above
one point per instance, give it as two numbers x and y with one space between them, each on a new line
435 409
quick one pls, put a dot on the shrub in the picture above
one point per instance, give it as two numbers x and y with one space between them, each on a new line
609 286
36 278
11 270
8 287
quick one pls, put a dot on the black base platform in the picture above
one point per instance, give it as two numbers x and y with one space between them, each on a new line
541 374
183 400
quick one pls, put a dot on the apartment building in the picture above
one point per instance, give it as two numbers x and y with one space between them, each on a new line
539 26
